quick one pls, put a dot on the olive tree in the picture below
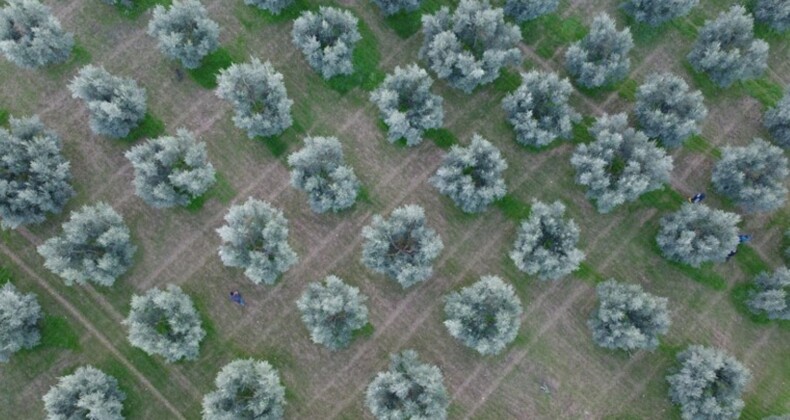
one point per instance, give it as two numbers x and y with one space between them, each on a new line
164 322
320 170
259 99
31 37
484 316
19 317
116 104
777 121
332 311
627 317
468 47
697 234
656 12
184 32
406 104
401 247
95 246
620 165
708 384
391 7
753 176
667 110
546 243
171 170
775 13
327 40
601 57
539 111
246 389
772 294
34 175
88 393
410 389
273 6
524 10
472 176
255 238
726 49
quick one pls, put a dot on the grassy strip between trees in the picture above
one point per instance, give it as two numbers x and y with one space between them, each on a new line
79 57
221 191
138 7
366 65
212 64
513 208
702 145
4 116
441 137
556 32
507 82
406 24
149 127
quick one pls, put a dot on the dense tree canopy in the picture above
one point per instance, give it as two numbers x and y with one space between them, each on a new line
523 10
95 246
34 175
777 121
327 39
184 32
667 110
274 6
246 389
601 57
726 49
410 389
656 12
776 13
407 105
31 37
332 311
391 7
484 316
320 170
19 317
754 176
171 170
472 176
468 47
539 111
88 393
772 294
259 99
627 317
697 234
255 238
401 247
708 385
116 104
546 243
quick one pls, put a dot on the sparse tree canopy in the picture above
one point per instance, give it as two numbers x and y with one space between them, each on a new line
19 317
472 176
31 37
726 49
776 13
246 389
539 111
627 317
753 176
258 96
708 385
332 311
484 316
696 234
410 389
524 10
95 246
273 6
320 170
468 47
777 121
656 12
667 110
88 393
171 170
34 175
391 7
327 39
772 294
546 243
165 323
184 32
620 165
255 238
401 247
407 105
116 105
601 57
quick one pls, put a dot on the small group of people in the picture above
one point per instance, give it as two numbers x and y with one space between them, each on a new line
742 238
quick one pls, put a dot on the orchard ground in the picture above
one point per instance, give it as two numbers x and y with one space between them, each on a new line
552 370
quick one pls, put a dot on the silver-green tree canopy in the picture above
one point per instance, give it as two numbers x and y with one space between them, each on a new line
88 393
274 6
246 389
255 238
656 12
327 40
31 37
601 57
697 234
772 294
410 389
19 317
95 246
332 311
391 7
184 32
775 13
777 121
320 170
34 175
468 47
524 10
667 110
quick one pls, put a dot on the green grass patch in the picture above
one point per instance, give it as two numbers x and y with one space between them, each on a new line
210 66
765 91
56 332
276 145
740 295
4 117
127 383
665 199
139 7
703 275
627 90
363 196
366 59
581 131
79 57
750 261
699 144
556 31
149 127
364 332
513 208
441 137
588 273
288 14
406 24
221 191
507 81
